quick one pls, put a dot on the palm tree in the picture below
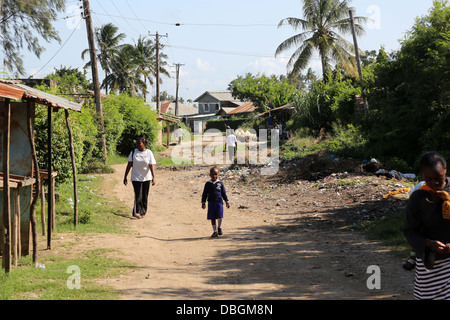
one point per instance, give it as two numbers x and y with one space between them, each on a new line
324 22
146 62
108 43
124 75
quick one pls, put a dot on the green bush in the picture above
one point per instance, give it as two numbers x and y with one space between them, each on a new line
84 138
219 124
325 104
139 121
347 141
114 124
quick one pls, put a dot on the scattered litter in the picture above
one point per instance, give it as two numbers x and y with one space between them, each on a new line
417 187
393 193
39 265
395 174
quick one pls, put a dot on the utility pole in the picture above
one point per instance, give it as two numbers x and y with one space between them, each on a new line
98 101
177 65
158 102
358 61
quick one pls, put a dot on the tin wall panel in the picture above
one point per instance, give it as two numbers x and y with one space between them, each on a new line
20 164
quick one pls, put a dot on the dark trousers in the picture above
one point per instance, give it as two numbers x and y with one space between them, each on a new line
141 191
231 153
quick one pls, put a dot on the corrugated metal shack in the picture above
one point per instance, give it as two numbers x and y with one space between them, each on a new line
18 165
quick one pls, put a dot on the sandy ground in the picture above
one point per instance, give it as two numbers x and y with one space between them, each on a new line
264 253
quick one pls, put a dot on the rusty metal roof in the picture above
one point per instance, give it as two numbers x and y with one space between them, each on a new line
246 107
16 91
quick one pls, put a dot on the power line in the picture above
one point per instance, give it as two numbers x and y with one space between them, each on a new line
178 24
54 55
111 16
123 16
128 4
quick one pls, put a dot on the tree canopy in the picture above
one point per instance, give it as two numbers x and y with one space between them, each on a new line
266 92
18 21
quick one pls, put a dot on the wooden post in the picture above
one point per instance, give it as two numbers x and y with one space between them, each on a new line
52 186
15 228
50 189
37 176
168 133
42 191
6 261
74 170
98 100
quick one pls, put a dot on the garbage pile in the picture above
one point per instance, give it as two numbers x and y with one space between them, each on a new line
374 166
246 135
241 173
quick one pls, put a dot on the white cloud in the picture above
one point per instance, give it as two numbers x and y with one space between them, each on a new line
278 66
268 66
204 66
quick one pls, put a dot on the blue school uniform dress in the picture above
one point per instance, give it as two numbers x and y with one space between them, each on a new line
214 192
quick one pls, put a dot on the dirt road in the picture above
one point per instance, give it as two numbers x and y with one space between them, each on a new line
175 257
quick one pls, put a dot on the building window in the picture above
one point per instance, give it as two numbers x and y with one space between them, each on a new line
215 107
205 107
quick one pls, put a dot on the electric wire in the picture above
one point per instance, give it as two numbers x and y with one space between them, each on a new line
54 55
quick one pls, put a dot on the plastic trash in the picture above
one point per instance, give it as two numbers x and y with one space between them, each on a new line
417 187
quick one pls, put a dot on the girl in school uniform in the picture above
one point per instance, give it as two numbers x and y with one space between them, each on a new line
214 192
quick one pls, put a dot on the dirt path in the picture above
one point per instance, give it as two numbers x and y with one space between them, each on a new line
255 259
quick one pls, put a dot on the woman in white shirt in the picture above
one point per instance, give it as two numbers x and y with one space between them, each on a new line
143 163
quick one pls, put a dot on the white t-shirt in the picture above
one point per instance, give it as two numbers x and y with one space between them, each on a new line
231 140
141 161
179 133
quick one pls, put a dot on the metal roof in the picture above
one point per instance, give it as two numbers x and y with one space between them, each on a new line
246 107
16 91
220 96
226 110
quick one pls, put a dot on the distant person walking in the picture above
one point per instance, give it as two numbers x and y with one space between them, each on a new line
142 162
231 145
427 229
179 134
214 192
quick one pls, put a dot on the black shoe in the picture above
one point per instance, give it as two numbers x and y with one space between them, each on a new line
214 235
220 231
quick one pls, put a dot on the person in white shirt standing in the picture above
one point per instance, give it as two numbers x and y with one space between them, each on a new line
179 134
231 144
143 163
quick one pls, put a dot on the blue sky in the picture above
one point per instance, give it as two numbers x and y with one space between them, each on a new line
217 40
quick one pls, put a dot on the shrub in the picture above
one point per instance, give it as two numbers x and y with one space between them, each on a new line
219 124
84 139
139 121
347 141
